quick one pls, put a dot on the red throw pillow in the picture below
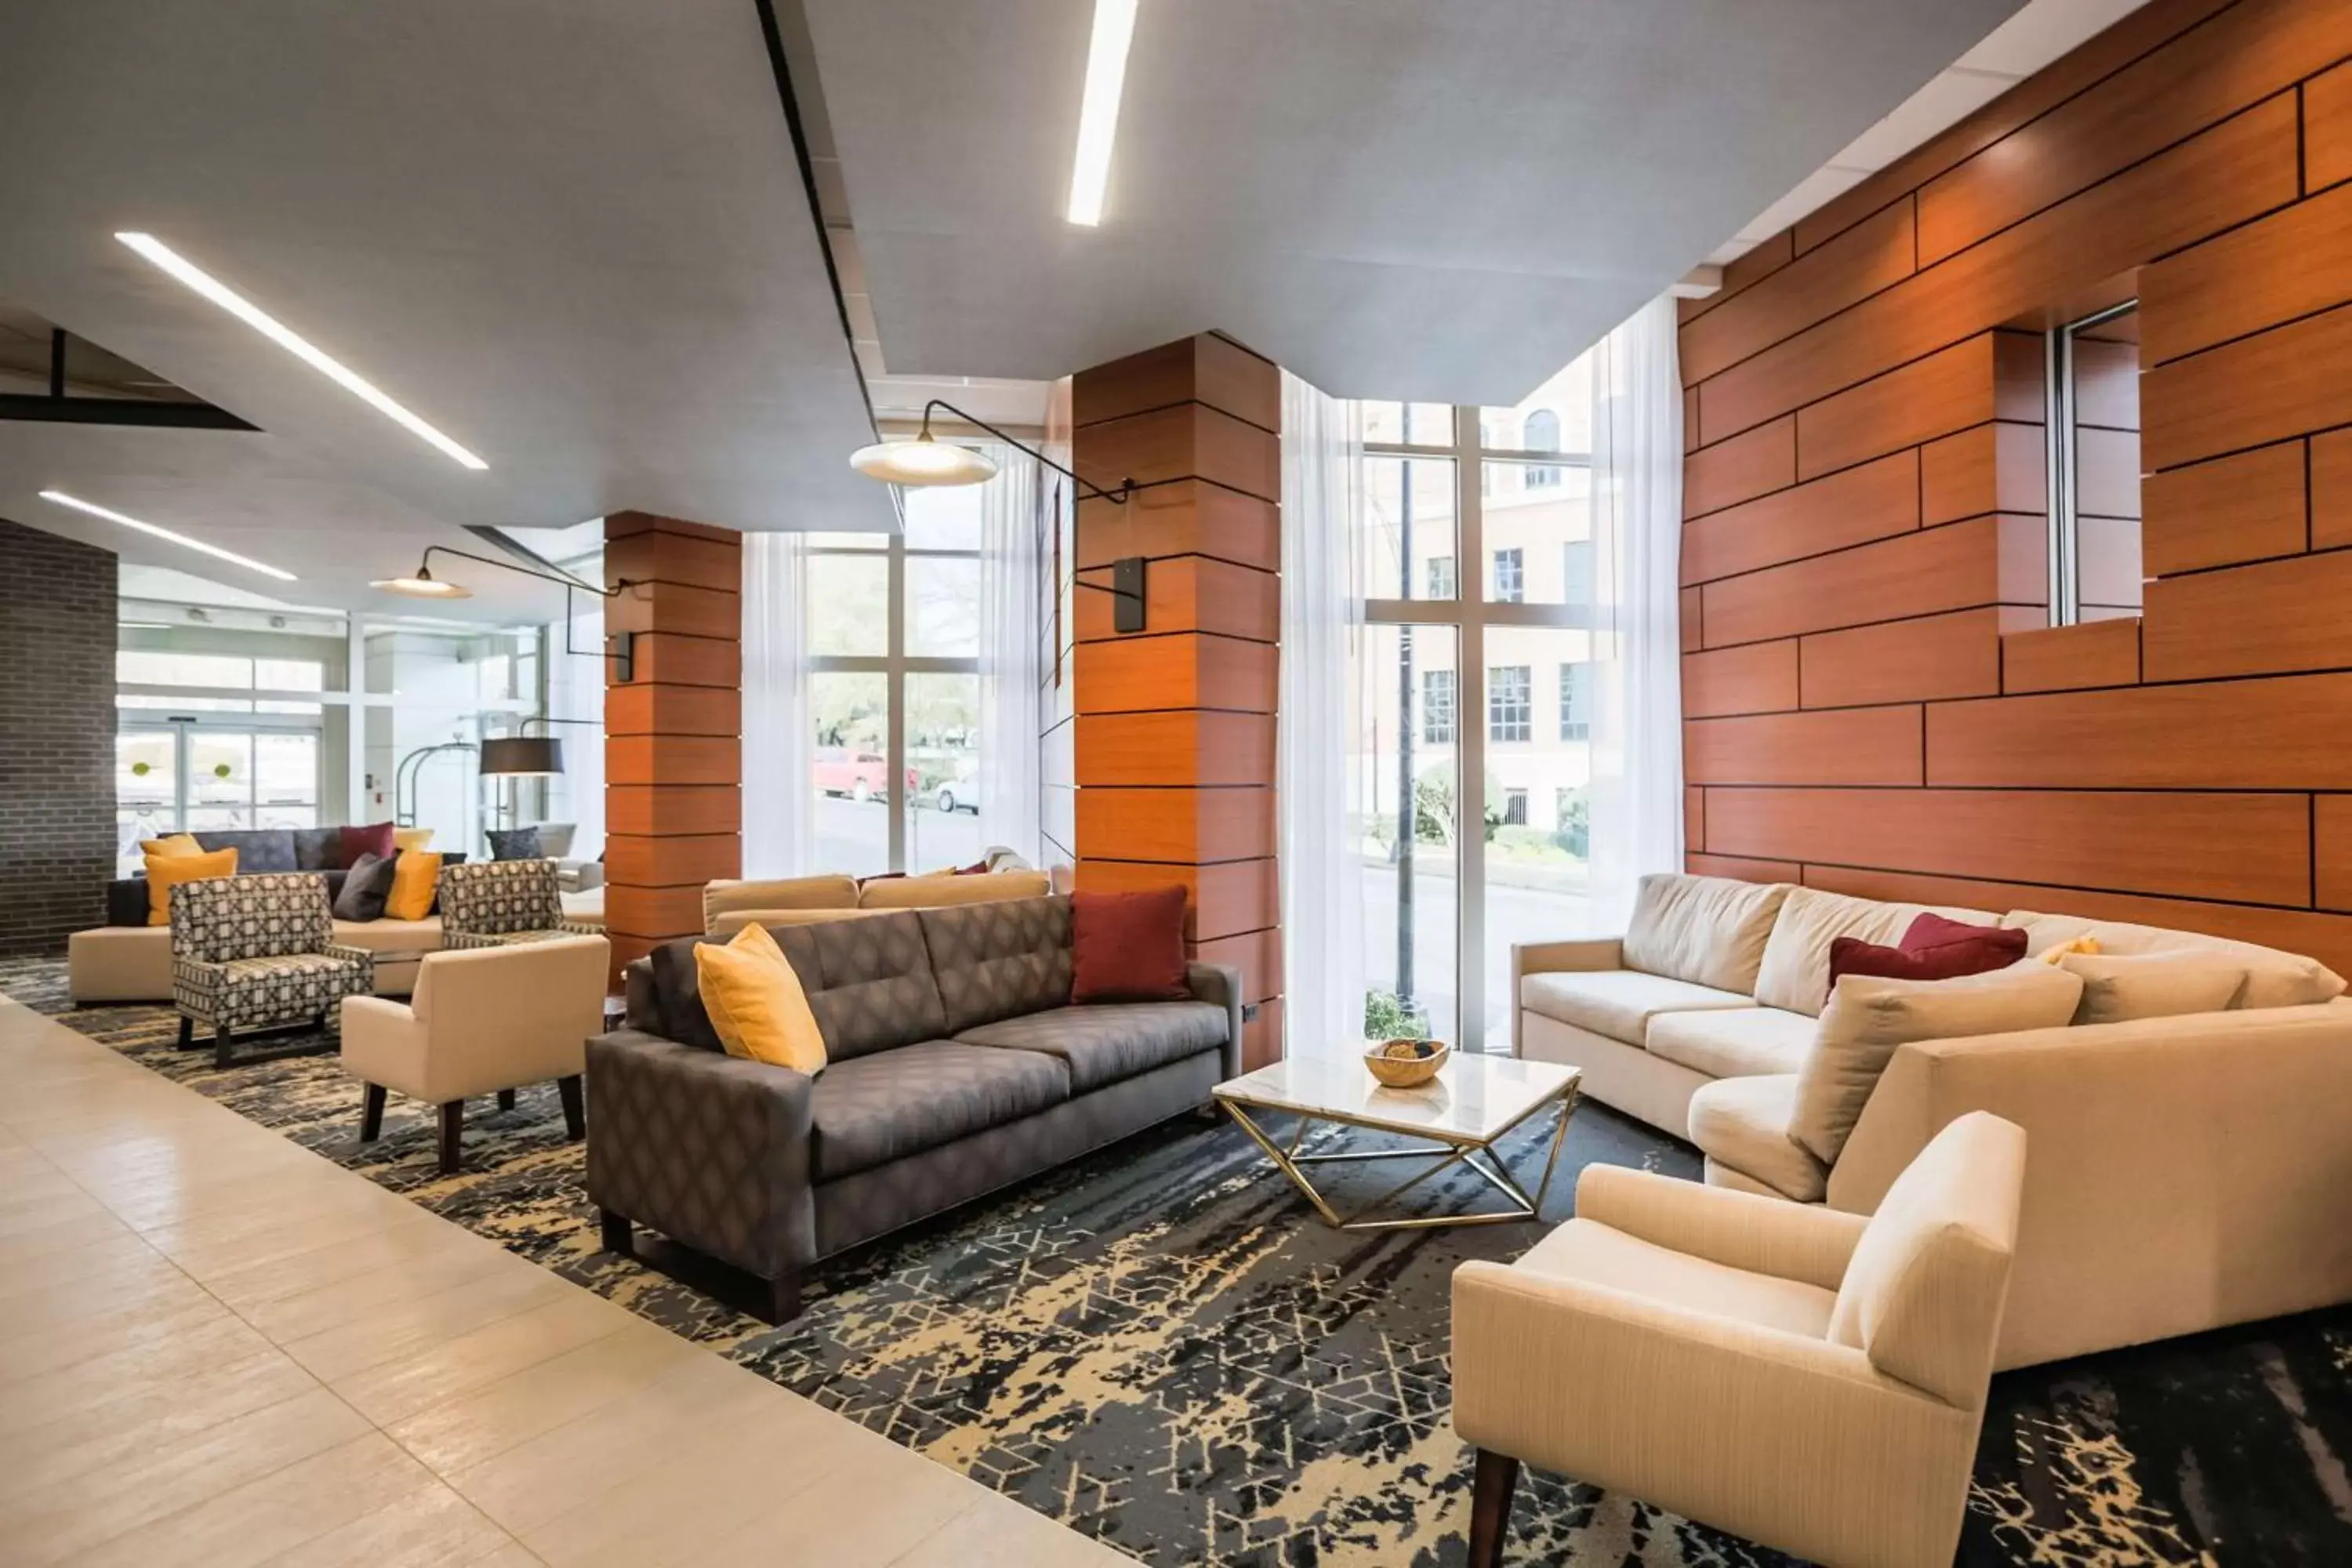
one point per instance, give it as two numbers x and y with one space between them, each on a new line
374 839
1934 930
1997 949
1127 947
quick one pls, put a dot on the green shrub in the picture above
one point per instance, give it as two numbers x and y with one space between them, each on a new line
1388 1016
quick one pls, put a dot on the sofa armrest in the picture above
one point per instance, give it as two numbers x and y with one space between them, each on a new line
1783 1437
711 1149
364 957
1582 955
1220 984
1739 1231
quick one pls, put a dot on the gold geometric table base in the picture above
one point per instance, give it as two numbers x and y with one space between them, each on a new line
1447 1152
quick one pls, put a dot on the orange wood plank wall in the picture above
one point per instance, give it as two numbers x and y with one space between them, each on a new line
1874 701
673 735
1172 747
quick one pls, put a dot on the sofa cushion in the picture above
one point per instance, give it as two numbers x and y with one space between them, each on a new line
257 849
942 888
874 988
1743 1123
319 849
885 1105
1594 1254
515 844
999 960
1991 947
1708 931
381 936
365 888
1618 1003
1733 1042
1127 947
2273 978
2120 987
1868 1018
1795 973
1104 1042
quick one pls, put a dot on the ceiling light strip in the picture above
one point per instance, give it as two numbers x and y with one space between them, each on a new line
187 272
59 497
1098 110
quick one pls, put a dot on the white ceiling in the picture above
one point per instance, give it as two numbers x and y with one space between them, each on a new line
573 234
2030 40
1392 198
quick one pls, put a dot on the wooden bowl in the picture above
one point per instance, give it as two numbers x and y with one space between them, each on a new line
1406 1063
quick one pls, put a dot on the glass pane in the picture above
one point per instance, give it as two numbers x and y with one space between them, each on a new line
1408 515
943 757
942 607
183 704
1408 825
145 791
1409 424
1538 533
849 605
220 779
1541 687
141 666
944 517
451 668
1555 417
851 770
848 541
286 779
2106 406
423 771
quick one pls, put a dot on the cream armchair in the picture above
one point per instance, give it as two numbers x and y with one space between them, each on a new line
1812 1380
480 1021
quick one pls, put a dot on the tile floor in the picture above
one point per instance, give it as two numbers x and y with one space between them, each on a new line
217 1349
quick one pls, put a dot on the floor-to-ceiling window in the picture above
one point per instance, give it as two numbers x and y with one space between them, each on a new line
1475 699
894 689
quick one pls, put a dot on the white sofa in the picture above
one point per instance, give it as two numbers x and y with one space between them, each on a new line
2189 1169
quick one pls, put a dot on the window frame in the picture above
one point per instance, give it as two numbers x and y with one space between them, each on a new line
2061 461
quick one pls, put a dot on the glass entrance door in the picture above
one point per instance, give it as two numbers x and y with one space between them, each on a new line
188 775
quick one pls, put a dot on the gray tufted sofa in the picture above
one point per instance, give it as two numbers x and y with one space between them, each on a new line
956 1065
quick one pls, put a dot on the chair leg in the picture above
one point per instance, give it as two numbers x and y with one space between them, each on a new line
575 1119
220 1046
784 1296
612 1231
372 1113
506 1099
1490 1507
187 1030
453 1124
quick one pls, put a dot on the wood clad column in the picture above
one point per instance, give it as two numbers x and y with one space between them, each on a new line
1174 734
673 733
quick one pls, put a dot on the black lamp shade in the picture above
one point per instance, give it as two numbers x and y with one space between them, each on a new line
509 755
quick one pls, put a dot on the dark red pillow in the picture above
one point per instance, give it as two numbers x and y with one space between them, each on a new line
1996 949
1934 930
374 839
1127 947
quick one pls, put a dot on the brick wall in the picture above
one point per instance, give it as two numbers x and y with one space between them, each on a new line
57 737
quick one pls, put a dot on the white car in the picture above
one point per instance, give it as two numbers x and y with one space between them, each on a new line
958 794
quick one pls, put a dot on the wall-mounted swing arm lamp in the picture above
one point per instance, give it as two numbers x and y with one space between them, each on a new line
425 585
523 754
923 460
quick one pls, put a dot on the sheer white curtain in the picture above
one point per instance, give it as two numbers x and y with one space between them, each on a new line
779 803
1322 609
1012 583
1637 524
575 691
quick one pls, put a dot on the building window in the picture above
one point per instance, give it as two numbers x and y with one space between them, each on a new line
1576 571
2092 391
1515 808
1510 577
1437 710
1510 703
1542 435
1441 577
1576 701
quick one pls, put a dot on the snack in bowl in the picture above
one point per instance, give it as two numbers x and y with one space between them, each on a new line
1405 1064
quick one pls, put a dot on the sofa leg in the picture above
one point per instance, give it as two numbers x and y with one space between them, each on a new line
784 1296
612 1231
506 1099
453 1124
187 1030
220 1046
372 1113
575 1115
1490 1507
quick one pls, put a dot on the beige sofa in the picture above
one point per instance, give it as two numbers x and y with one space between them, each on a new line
2189 1169
133 963
728 907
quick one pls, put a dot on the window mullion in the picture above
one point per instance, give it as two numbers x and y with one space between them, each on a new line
1470 788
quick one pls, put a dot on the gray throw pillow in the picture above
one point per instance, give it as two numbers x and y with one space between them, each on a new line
515 844
365 888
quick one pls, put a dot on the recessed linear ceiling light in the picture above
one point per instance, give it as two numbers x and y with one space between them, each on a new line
1098 110
59 497
185 271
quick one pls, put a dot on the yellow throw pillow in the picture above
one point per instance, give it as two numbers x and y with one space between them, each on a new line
2085 943
757 1004
411 837
172 844
166 871
415 876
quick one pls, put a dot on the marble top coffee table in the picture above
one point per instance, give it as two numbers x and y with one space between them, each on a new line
1456 1118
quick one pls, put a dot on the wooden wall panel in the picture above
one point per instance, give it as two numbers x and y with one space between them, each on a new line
1184 517
1188 441
1733 471
1190 746
1207 368
1188 593
1149 671
1231 899
1741 869
2180 765
1257 955
650 810
1180 825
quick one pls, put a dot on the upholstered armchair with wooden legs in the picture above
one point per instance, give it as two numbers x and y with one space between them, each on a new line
480 1021
259 953
1812 1380
497 903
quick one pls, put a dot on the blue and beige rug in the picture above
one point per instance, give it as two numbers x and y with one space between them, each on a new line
1161 1347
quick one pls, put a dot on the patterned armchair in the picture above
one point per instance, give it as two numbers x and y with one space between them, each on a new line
258 952
493 903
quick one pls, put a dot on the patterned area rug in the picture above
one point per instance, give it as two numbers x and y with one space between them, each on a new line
1161 1347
